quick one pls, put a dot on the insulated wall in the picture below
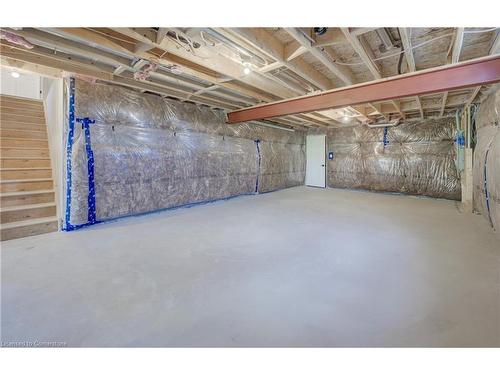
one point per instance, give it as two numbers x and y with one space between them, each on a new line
486 167
151 153
415 157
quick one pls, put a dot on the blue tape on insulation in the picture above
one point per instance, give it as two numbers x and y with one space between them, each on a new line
486 194
385 140
69 153
257 142
91 216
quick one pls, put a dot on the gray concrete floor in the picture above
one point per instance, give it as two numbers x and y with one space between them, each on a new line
297 267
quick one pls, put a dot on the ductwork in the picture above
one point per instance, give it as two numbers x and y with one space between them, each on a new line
16 39
239 49
384 125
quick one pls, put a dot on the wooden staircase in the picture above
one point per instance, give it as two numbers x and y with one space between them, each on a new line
27 190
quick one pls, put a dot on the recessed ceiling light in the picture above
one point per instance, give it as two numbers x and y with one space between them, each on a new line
15 74
246 70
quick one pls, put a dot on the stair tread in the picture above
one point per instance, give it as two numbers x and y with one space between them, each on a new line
6 104
36 108
10 111
34 103
24 114
27 180
27 130
22 158
20 98
22 148
24 223
25 169
27 206
17 97
15 126
21 193
5 116
27 148
23 122
23 139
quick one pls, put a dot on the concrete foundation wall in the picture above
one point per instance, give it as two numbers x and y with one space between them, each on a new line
153 153
416 157
486 167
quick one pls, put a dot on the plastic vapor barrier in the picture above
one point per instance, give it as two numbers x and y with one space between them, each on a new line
130 153
414 158
486 167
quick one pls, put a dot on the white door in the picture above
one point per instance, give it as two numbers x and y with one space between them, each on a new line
315 165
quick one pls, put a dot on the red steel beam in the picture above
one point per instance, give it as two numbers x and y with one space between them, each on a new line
470 73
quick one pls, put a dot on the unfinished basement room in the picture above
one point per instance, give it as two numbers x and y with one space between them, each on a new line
250 186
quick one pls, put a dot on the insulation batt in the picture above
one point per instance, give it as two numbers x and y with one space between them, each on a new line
153 153
16 39
488 142
418 158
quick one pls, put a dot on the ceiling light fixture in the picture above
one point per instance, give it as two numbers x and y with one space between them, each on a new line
247 69
15 74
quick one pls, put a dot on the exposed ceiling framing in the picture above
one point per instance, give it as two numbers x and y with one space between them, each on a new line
207 66
473 73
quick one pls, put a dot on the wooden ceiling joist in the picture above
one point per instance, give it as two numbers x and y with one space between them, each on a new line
495 46
95 38
193 68
410 59
340 71
215 62
362 49
457 45
454 58
408 49
420 108
473 96
223 66
362 52
73 65
443 104
274 49
293 50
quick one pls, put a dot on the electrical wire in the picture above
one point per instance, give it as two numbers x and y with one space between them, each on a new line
401 55
399 52
188 40
416 46
212 44
450 47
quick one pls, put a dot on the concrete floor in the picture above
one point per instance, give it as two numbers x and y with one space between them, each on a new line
298 267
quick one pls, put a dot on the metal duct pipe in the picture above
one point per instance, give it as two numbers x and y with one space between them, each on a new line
240 49
272 126
384 125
